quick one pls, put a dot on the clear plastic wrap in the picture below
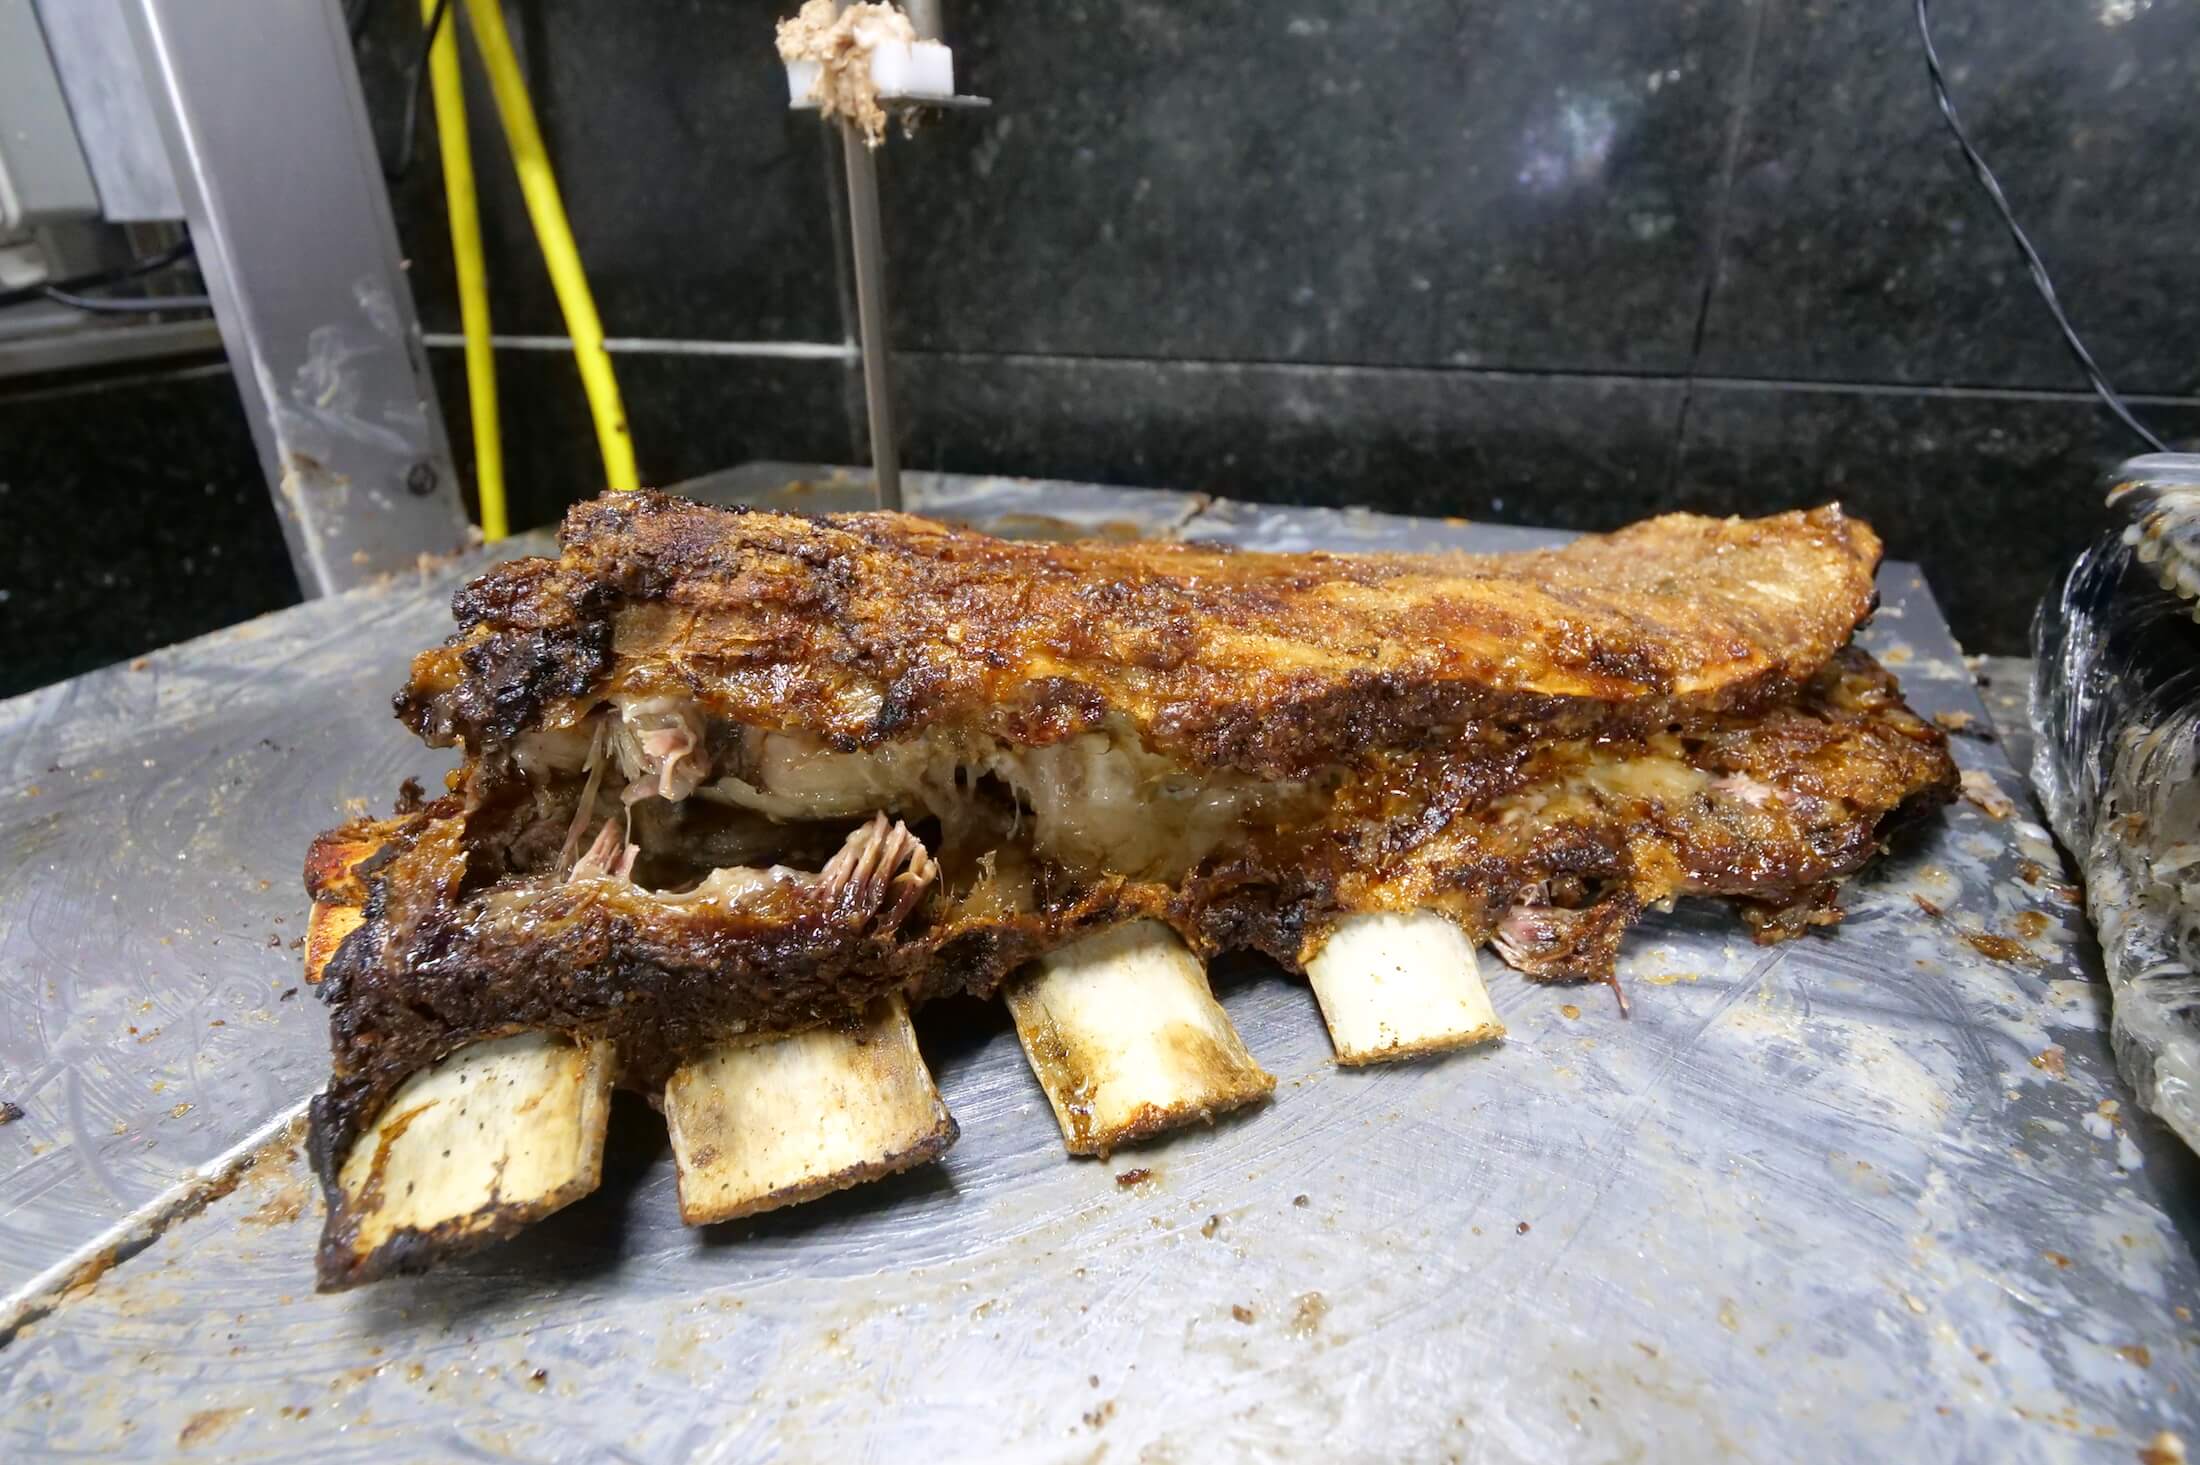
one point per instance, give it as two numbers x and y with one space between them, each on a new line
2116 704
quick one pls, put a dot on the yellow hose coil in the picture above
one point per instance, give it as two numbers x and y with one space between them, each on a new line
473 282
539 185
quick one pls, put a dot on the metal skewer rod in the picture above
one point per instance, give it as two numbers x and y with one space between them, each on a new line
870 270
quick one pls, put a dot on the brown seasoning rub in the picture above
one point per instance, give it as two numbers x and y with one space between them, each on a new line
865 628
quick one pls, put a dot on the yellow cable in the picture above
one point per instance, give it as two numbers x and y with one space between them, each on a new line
539 185
473 282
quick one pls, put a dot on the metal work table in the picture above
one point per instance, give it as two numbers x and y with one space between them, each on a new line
1865 1194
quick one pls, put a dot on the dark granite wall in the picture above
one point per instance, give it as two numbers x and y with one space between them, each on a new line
1563 263
132 514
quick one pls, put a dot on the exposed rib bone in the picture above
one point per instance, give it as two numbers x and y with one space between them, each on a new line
493 1138
1128 1040
769 1122
1399 986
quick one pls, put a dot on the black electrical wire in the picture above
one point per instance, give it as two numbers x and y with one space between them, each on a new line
416 83
2032 260
174 254
125 304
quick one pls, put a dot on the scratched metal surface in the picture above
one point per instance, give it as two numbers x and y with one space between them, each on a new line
1867 1193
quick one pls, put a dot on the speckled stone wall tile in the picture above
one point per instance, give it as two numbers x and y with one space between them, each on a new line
1421 182
1575 452
132 514
1859 249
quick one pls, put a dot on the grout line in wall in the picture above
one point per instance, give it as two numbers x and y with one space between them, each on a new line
1951 392
1836 387
846 351
154 374
658 346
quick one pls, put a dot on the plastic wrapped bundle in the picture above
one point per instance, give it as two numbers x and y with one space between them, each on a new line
2116 703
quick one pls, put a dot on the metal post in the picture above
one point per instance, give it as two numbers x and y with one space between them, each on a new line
267 132
924 18
870 271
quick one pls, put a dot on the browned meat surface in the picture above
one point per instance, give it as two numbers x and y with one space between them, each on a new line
736 772
867 628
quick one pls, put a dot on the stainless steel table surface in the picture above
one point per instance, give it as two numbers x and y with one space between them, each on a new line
1870 1193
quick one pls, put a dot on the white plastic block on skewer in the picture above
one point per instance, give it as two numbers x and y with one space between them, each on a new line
912 71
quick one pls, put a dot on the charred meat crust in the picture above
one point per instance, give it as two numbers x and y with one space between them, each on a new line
865 628
528 638
412 985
